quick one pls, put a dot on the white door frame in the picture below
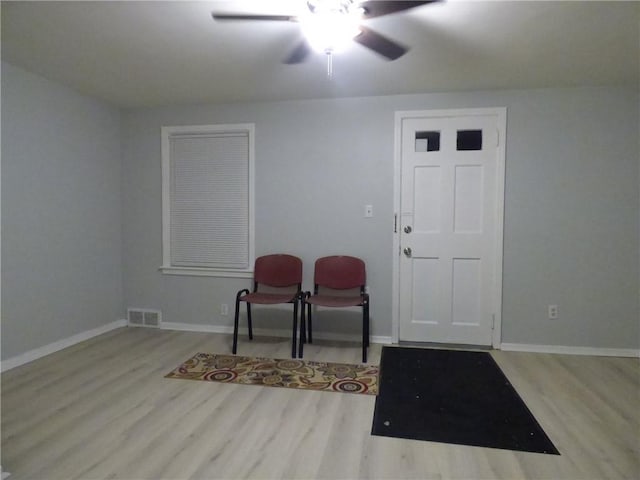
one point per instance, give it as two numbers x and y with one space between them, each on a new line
501 114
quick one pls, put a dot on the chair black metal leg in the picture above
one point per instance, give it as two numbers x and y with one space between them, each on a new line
294 337
303 322
234 348
249 321
303 332
367 322
364 339
365 331
236 319
309 325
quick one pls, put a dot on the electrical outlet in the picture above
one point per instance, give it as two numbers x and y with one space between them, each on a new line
224 309
552 312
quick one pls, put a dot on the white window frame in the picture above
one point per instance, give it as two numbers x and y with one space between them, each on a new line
167 132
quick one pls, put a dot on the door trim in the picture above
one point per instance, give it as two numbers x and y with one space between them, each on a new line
501 120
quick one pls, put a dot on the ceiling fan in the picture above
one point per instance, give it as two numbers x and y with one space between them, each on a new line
329 24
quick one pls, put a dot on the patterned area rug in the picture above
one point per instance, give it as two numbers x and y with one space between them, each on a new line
273 372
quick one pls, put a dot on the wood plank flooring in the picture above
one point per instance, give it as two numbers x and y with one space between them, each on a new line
102 409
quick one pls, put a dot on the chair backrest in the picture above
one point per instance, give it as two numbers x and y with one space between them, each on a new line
339 272
278 270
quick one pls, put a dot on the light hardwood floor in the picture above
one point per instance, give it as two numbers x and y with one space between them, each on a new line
102 409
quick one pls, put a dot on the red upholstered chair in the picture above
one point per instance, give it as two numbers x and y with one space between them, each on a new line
277 279
339 281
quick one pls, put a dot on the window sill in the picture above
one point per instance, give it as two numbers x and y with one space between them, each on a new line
206 272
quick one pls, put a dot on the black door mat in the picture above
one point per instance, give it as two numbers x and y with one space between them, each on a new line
453 396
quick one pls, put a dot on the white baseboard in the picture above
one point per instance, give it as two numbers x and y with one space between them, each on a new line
566 350
195 327
338 337
45 350
40 352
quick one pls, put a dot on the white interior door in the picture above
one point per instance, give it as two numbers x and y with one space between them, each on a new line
450 229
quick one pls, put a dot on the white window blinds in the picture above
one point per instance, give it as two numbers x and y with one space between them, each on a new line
209 198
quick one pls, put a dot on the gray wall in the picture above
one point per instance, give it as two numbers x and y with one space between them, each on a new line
571 226
81 210
571 219
61 213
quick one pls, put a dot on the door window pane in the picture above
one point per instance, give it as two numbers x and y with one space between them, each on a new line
427 142
469 140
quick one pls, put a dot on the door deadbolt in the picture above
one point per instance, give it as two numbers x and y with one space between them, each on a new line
407 229
407 251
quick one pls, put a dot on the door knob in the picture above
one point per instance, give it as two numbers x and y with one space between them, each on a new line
407 251
407 229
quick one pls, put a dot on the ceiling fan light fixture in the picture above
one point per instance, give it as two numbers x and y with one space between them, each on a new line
330 28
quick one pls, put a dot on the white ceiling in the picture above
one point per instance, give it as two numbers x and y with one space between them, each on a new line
171 52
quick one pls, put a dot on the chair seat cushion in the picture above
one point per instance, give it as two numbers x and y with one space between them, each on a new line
268 298
335 301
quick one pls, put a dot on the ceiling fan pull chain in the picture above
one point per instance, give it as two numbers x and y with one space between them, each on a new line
329 63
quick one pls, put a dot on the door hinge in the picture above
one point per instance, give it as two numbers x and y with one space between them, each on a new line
493 321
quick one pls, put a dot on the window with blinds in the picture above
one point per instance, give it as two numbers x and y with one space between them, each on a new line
207 174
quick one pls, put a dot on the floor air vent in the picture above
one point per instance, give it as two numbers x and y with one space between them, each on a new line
141 317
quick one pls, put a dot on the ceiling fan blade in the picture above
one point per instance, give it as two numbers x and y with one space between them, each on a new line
379 8
380 44
299 54
242 16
